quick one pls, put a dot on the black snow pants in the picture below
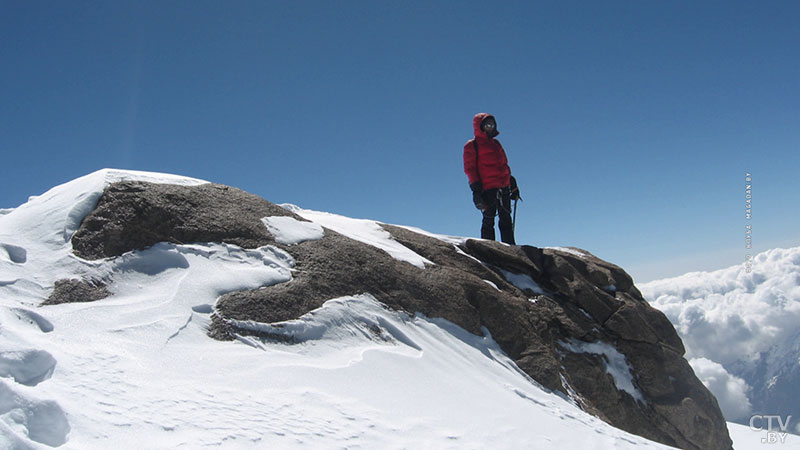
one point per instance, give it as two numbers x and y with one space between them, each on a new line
498 203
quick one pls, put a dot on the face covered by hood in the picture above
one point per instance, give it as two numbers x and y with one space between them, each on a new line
477 121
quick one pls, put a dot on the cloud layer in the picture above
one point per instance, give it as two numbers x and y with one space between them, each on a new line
731 391
730 314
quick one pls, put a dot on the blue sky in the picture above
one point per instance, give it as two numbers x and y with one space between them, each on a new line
629 125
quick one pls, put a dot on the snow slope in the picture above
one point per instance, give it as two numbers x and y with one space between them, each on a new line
136 370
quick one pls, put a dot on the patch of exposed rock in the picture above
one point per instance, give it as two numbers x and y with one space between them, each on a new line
77 291
582 299
134 215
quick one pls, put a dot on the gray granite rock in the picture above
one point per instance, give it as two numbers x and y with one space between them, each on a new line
76 291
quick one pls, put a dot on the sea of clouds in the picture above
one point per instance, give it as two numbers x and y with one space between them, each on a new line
732 314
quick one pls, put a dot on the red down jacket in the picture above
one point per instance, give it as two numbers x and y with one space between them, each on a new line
491 165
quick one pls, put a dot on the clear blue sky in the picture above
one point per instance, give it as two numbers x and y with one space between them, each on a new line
629 124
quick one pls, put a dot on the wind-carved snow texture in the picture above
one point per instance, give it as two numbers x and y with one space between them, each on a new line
86 202
341 321
26 419
288 230
27 366
16 254
155 260
41 421
615 363
162 293
34 318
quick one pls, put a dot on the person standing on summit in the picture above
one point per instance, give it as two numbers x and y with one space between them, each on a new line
490 179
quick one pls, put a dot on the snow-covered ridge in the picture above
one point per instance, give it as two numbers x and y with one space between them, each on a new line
49 220
139 363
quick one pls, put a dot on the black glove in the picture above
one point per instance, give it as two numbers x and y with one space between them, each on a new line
477 195
514 189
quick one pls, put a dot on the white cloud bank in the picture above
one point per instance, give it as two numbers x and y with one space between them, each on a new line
731 391
730 314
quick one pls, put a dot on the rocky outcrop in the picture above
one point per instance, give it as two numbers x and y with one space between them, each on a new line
571 321
76 291
134 215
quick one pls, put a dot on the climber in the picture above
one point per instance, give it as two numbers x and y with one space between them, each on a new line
490 179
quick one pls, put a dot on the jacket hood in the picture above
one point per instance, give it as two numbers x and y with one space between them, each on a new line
476 125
